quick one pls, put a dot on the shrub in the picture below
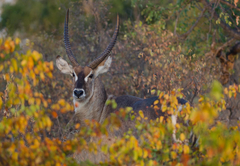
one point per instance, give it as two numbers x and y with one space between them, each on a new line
29 119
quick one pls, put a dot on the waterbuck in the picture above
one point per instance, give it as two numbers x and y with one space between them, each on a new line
89 95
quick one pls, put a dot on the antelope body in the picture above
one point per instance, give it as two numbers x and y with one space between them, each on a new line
89 95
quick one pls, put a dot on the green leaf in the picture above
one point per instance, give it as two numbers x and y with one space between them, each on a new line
217 90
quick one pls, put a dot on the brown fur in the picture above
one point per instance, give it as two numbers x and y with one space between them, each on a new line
86 70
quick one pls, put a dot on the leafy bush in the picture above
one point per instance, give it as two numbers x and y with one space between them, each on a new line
28 121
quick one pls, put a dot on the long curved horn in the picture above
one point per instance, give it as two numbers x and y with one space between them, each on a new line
67 43
106 52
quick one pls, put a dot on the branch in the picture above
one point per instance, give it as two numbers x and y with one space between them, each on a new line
232 32
229 4
195 91
178 14
176 22
234 22
194 25
224 46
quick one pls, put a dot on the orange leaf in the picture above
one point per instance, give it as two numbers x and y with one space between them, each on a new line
54 114
30 63
235 2
77 125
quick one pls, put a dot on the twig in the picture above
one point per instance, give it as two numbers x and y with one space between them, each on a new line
224 45
195 91
232 32
229 16
175 27
194 25
212 13
231 5
59 127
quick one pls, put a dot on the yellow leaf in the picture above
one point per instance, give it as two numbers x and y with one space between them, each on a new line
135 155
150 163
7 46
36 71
35 114
186 149
38 160
42 76
182 137
58 164
15 156
61 102
12 46
16 101
161 119
36 55
24 62
177 126
32 75
145 153
31 101
158 145
174 155
200 100
6 77
140 151
48 122
1 102
153 91
156 102
50 75
17 41
14 64
38 101
166 97
225 91
36 143
45 104
11 69
11 149
1 67
160 95
141 114
164 108
51 66
156 107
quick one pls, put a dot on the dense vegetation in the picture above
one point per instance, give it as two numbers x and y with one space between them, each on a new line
175 48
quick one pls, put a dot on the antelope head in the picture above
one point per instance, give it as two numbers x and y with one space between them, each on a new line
84 76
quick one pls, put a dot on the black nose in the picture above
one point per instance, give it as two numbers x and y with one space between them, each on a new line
78 93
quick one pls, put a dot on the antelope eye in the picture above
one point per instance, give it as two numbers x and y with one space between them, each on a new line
91 76
73 74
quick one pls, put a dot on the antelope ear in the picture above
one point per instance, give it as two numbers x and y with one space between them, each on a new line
63 66
103 67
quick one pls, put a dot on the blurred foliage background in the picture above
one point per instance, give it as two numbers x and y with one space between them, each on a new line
162 46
